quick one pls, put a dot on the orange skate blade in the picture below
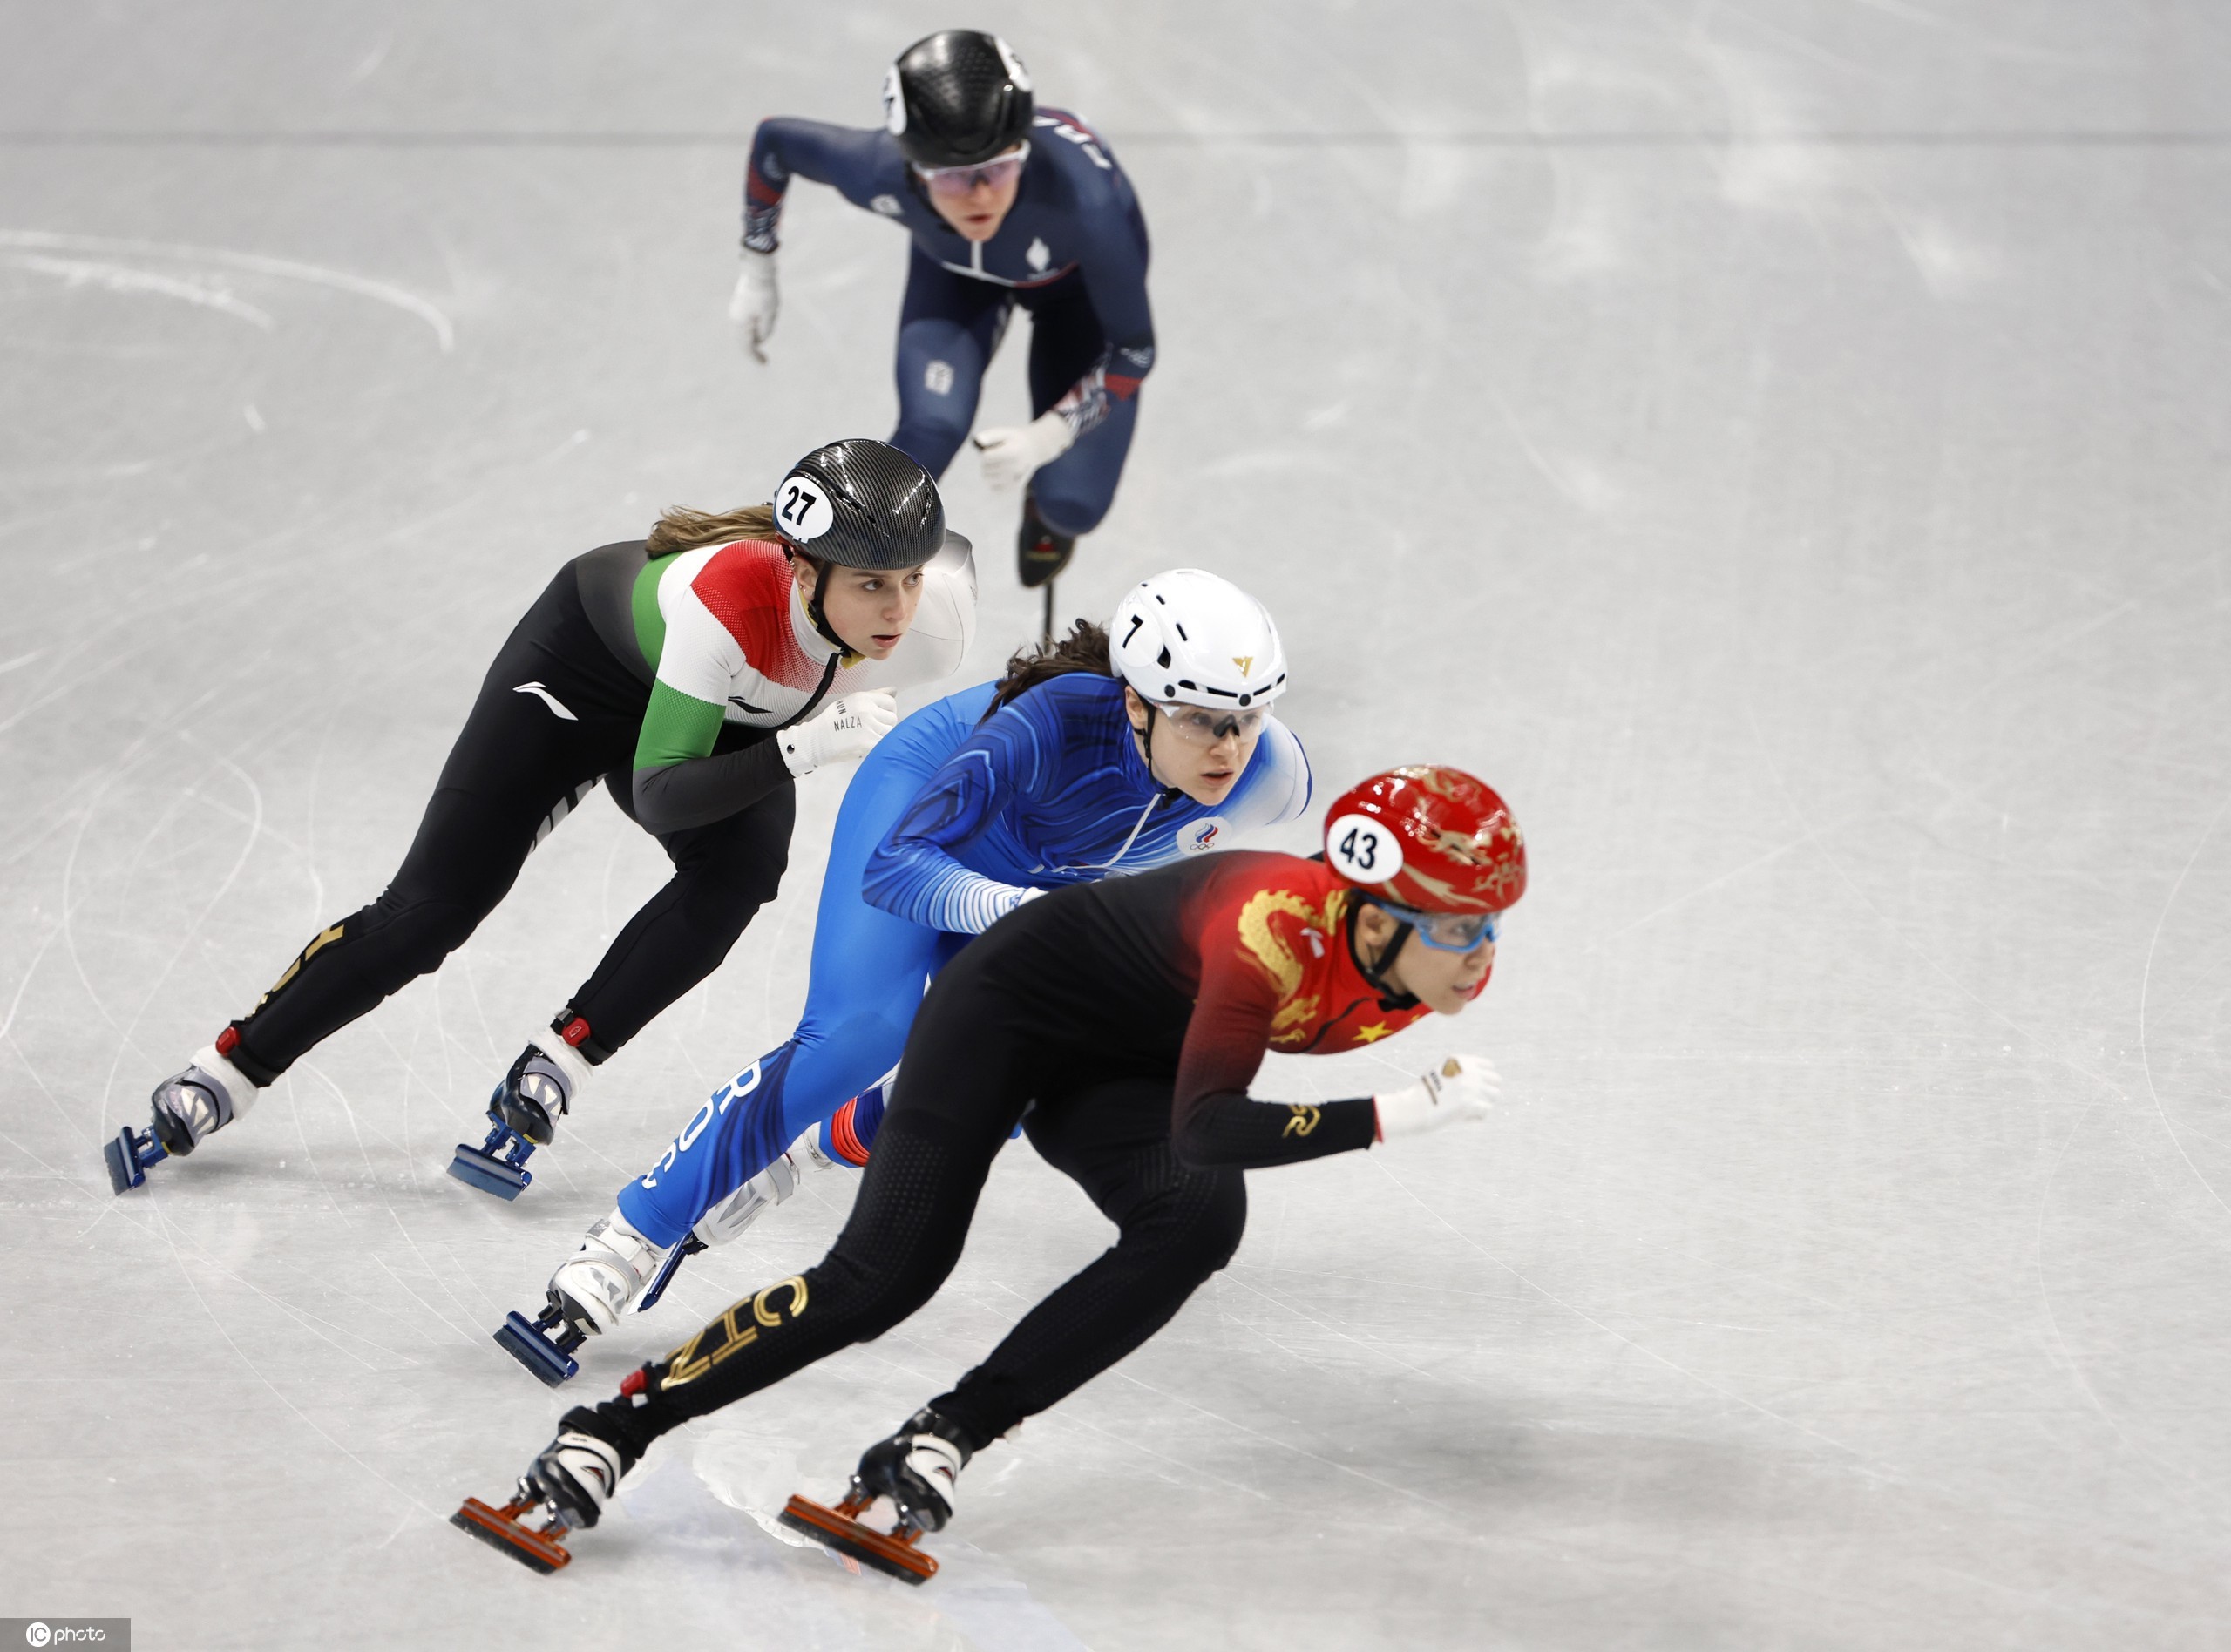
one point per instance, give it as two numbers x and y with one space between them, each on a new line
499 1528
891 1553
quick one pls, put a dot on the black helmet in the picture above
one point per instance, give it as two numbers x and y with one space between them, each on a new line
957 98
860 503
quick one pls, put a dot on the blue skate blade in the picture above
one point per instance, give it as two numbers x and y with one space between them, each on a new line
124 1171
128 1157
523 1340
490 1174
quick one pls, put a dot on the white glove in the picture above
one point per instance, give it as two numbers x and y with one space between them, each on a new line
847 728
755 303
1012 454
1463 1086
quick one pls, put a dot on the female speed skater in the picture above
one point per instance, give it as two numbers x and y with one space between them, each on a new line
697 674
1121 1023
1006 203
1113 752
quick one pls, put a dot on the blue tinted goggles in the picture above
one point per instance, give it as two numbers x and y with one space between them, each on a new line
1447 931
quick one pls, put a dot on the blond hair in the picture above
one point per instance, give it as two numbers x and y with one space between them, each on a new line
680 529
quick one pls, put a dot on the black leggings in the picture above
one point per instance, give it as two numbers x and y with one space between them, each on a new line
971 1066
556 713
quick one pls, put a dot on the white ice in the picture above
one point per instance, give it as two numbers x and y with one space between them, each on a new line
1784 446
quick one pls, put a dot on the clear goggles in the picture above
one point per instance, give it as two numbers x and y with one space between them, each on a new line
1206 725
1447 931
958 180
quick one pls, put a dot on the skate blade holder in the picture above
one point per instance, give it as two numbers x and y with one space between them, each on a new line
893 1553
537 1547
498 1165
129 1155
531 1342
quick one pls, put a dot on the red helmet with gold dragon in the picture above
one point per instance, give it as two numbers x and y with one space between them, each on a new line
1428 838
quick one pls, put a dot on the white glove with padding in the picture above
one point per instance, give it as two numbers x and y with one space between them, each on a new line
847 728
1464 1088
1013 454
756 302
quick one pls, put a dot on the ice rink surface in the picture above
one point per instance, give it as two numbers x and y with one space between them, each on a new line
1782 445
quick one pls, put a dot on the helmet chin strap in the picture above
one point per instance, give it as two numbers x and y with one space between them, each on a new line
1375 969
1146 749
815 612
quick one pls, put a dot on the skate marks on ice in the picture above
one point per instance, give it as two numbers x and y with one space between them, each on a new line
203 284
972 1601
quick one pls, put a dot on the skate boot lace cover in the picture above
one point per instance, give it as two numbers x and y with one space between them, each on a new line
206 1096
594 1286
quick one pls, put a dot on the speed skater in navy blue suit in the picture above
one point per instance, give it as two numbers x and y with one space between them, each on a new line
1005 204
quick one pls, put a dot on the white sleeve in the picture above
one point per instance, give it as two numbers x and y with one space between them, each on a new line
699 657
1278 781
945 624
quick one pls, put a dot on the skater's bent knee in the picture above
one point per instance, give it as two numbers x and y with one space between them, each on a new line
930 442
1070 513
423 933
873 1293
1213 1223
1198 1222
724 901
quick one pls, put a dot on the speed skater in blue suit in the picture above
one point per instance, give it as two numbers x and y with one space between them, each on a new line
1006 203
1111 752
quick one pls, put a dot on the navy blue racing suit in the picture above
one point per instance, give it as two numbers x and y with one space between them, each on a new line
1073 252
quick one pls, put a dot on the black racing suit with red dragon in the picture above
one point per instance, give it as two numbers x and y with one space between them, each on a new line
1121 1023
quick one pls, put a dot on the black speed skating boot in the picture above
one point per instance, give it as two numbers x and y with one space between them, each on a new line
534 1095
1039 553
523 1113
563 1490
916 1468
188 1107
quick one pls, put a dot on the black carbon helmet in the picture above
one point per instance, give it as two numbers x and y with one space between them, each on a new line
860 503
957 98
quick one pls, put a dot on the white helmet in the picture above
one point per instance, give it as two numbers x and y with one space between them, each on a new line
1189 637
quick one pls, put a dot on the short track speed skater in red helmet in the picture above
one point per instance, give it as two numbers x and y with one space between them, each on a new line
1433 847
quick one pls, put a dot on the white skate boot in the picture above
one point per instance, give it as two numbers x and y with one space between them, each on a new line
594 1285
587 1295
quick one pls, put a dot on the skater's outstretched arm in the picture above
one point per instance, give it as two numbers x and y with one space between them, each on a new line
854 161
1214 1121
1113 262
679 782
915 873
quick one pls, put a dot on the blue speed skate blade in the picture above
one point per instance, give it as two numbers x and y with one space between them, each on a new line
498 1165
690 1245
129 1155
531 1342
